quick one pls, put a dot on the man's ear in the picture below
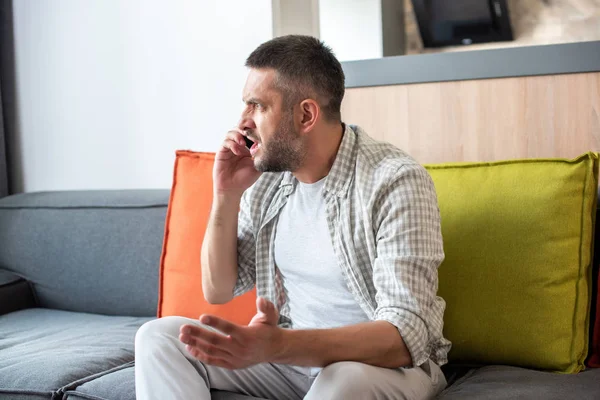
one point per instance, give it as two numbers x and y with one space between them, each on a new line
308 115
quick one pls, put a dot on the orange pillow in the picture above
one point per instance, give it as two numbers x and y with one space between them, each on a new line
180 276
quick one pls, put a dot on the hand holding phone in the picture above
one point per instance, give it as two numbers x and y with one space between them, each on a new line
234 170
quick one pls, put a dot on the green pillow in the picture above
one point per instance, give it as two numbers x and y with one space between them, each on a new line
517 273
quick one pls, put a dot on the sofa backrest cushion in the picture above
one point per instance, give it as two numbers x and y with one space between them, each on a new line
517 273
180 268
89 251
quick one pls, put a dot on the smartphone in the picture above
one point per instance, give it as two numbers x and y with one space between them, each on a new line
249 142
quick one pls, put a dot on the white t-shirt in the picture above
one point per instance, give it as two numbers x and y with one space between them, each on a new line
318 296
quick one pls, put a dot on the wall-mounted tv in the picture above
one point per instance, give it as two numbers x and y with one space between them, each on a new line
454 22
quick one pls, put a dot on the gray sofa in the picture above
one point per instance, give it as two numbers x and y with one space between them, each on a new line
79 275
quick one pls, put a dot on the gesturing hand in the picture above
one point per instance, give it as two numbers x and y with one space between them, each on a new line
239 346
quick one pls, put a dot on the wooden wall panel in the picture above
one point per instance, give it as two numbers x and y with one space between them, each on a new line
483 120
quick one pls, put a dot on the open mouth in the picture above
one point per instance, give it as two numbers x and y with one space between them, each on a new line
252 145
254 148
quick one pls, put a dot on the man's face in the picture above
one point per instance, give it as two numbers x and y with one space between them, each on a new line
278 147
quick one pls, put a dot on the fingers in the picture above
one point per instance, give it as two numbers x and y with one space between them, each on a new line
235 148
215 360
199 347
209 347
234 142
267 309
236 136
220 324
192 335
262 304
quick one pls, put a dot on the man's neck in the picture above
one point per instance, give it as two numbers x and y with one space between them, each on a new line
322 150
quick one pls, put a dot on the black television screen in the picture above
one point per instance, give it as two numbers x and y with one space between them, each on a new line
459 10
446 22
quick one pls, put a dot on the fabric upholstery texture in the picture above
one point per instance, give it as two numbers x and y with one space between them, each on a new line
517 273
180 271
119 383
15 293
501 382
64 244
6 278
45 351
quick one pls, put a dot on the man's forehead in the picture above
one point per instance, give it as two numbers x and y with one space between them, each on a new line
259 82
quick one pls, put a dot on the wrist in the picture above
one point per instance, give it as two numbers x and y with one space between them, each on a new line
226 200
280 346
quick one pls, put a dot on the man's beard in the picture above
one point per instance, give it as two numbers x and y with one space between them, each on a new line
285 151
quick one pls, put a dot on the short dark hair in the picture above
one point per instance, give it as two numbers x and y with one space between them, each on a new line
305 66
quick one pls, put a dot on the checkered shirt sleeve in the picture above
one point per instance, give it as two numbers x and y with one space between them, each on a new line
409 251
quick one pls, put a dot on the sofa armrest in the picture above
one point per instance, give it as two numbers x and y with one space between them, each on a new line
15 293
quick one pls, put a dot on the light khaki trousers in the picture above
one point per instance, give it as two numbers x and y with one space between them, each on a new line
165 370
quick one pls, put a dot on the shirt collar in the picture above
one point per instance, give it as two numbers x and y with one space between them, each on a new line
342 171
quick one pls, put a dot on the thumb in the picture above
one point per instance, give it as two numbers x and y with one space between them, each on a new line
267 309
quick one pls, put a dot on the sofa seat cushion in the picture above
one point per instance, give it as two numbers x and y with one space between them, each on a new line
508 383
44 352
120 384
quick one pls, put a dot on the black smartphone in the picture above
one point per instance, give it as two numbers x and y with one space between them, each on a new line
249 142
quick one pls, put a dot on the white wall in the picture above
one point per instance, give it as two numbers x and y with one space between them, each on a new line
295 17
107 90
352 28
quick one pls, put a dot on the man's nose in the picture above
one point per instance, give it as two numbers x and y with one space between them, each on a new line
246 124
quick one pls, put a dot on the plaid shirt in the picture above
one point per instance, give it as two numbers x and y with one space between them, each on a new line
384 223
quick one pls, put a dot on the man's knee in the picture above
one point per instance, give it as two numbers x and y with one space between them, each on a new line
152 333
342 380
